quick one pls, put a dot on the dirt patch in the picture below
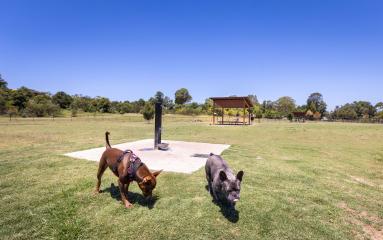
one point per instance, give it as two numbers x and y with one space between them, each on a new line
373 233
370 231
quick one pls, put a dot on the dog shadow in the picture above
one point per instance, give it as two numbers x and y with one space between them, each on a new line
133 197
228 211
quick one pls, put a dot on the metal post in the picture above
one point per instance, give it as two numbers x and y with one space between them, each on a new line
157 124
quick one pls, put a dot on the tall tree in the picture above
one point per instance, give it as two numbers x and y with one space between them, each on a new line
159 97
315 103
82 102
253 99
285 105
301 108
364 109
168 103
40 106
346 111
138 105
21 96
102 104
62 99
3 83
3 104
182 96
379 107
4 96
208 106
125 107
267 105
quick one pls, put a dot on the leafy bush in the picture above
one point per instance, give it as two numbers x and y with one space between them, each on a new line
148 111
290 117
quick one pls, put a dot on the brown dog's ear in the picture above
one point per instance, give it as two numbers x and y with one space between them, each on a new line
240 175
156 173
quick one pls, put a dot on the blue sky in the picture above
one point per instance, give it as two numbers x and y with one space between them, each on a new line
127 50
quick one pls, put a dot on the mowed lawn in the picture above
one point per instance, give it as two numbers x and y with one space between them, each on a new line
302 181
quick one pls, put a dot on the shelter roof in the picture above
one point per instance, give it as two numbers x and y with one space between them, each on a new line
232 102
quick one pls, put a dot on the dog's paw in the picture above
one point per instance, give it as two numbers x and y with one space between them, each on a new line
128 205
96 191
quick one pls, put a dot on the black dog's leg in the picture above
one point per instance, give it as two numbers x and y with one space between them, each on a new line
209 181
210 188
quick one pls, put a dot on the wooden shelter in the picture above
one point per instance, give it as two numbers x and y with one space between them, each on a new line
232 102
299 116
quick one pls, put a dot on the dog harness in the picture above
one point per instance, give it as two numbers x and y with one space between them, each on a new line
134 164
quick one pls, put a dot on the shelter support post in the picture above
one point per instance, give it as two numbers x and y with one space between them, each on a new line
223 113
249 117
244 115
213 112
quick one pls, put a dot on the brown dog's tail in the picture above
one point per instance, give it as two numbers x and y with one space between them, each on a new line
107 139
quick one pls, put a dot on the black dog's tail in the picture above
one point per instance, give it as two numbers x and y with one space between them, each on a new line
107 139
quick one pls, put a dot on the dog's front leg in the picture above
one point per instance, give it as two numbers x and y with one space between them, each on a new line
210 188
214 192
127 191
123 195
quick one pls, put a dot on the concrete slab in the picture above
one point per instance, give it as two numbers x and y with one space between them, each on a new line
182 157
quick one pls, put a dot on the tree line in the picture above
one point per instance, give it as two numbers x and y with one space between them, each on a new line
316 109
26 102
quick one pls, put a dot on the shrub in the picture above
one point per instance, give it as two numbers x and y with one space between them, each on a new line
290 117
148 111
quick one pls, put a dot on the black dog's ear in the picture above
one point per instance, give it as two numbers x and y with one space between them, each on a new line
240 175
222 176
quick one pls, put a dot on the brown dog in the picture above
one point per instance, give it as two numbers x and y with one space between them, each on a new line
127 167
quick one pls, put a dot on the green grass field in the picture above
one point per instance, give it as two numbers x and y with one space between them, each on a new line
302 181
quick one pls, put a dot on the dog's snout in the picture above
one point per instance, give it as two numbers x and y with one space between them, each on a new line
147 194
236 198
148 197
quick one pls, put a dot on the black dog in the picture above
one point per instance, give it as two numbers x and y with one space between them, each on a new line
223 185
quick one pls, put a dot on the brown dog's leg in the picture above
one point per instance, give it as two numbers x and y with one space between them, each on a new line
101 169
123 195
127 189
